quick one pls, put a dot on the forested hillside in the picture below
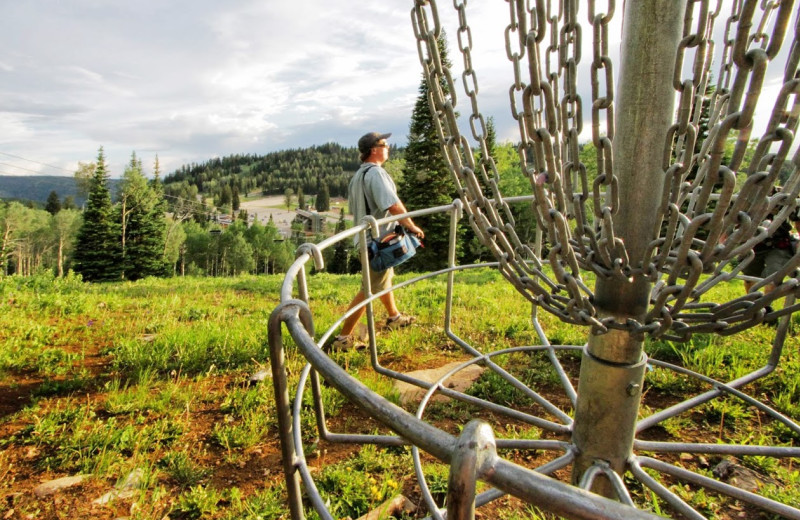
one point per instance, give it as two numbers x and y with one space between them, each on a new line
305 169
38 187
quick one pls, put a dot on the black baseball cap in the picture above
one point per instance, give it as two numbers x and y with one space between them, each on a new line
368 141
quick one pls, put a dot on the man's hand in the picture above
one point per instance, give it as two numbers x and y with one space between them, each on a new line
416 230
398 209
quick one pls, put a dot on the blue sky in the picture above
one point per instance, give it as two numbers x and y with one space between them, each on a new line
191 80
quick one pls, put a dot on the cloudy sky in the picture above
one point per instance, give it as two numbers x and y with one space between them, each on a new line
191 80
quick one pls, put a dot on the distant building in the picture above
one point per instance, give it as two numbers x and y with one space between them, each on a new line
311 221
223 220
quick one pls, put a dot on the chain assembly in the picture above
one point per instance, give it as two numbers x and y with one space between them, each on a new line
717 202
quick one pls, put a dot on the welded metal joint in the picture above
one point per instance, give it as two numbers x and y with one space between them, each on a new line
475 451
314 251
602 467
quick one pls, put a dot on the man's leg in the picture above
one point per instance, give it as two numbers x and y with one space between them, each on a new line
350 322
379 281
388 302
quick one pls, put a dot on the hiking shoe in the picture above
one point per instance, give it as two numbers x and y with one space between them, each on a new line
403 320
342 343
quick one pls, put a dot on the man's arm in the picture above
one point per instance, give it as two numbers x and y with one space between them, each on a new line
398 208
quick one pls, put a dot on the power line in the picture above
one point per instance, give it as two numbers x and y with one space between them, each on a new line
37 162
19 167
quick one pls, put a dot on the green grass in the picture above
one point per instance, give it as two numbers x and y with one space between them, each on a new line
153 375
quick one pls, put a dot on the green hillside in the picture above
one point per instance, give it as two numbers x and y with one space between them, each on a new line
271 174
37 187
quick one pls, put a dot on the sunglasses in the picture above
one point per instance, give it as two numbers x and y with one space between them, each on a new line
381 145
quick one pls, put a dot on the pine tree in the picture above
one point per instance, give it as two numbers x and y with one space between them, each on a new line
235 201
324 198
225 196
473 251
53 205
98 251
338 263
491 145
301 198
144 224
426 179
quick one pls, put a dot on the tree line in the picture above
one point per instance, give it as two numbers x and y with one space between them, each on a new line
307 170
131 235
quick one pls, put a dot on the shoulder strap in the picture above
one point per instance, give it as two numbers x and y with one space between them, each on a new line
364 188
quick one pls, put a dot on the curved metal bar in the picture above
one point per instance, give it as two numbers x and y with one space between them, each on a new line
290 309
665 494
516 383
717 449
322 426
372 224
291 274
438 385
723 388
555 496
300 458
720 487
425 491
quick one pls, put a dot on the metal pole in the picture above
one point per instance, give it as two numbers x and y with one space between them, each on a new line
283 408
613 364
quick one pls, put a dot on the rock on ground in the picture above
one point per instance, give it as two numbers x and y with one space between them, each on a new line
460 381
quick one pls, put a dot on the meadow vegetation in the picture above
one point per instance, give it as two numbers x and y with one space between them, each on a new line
153 375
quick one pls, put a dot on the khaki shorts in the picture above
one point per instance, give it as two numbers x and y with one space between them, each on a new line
379 280
767 262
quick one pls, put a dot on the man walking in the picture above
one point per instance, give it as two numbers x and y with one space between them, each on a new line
373 192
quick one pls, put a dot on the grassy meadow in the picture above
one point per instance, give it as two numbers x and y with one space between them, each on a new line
105 380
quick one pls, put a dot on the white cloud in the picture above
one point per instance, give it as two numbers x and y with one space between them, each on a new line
191 79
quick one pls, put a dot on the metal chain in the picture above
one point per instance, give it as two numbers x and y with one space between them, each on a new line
708 224
718 228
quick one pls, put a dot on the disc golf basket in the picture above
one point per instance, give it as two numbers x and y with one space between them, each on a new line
667 216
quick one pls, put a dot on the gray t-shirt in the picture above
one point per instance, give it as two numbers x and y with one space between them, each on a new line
372 184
